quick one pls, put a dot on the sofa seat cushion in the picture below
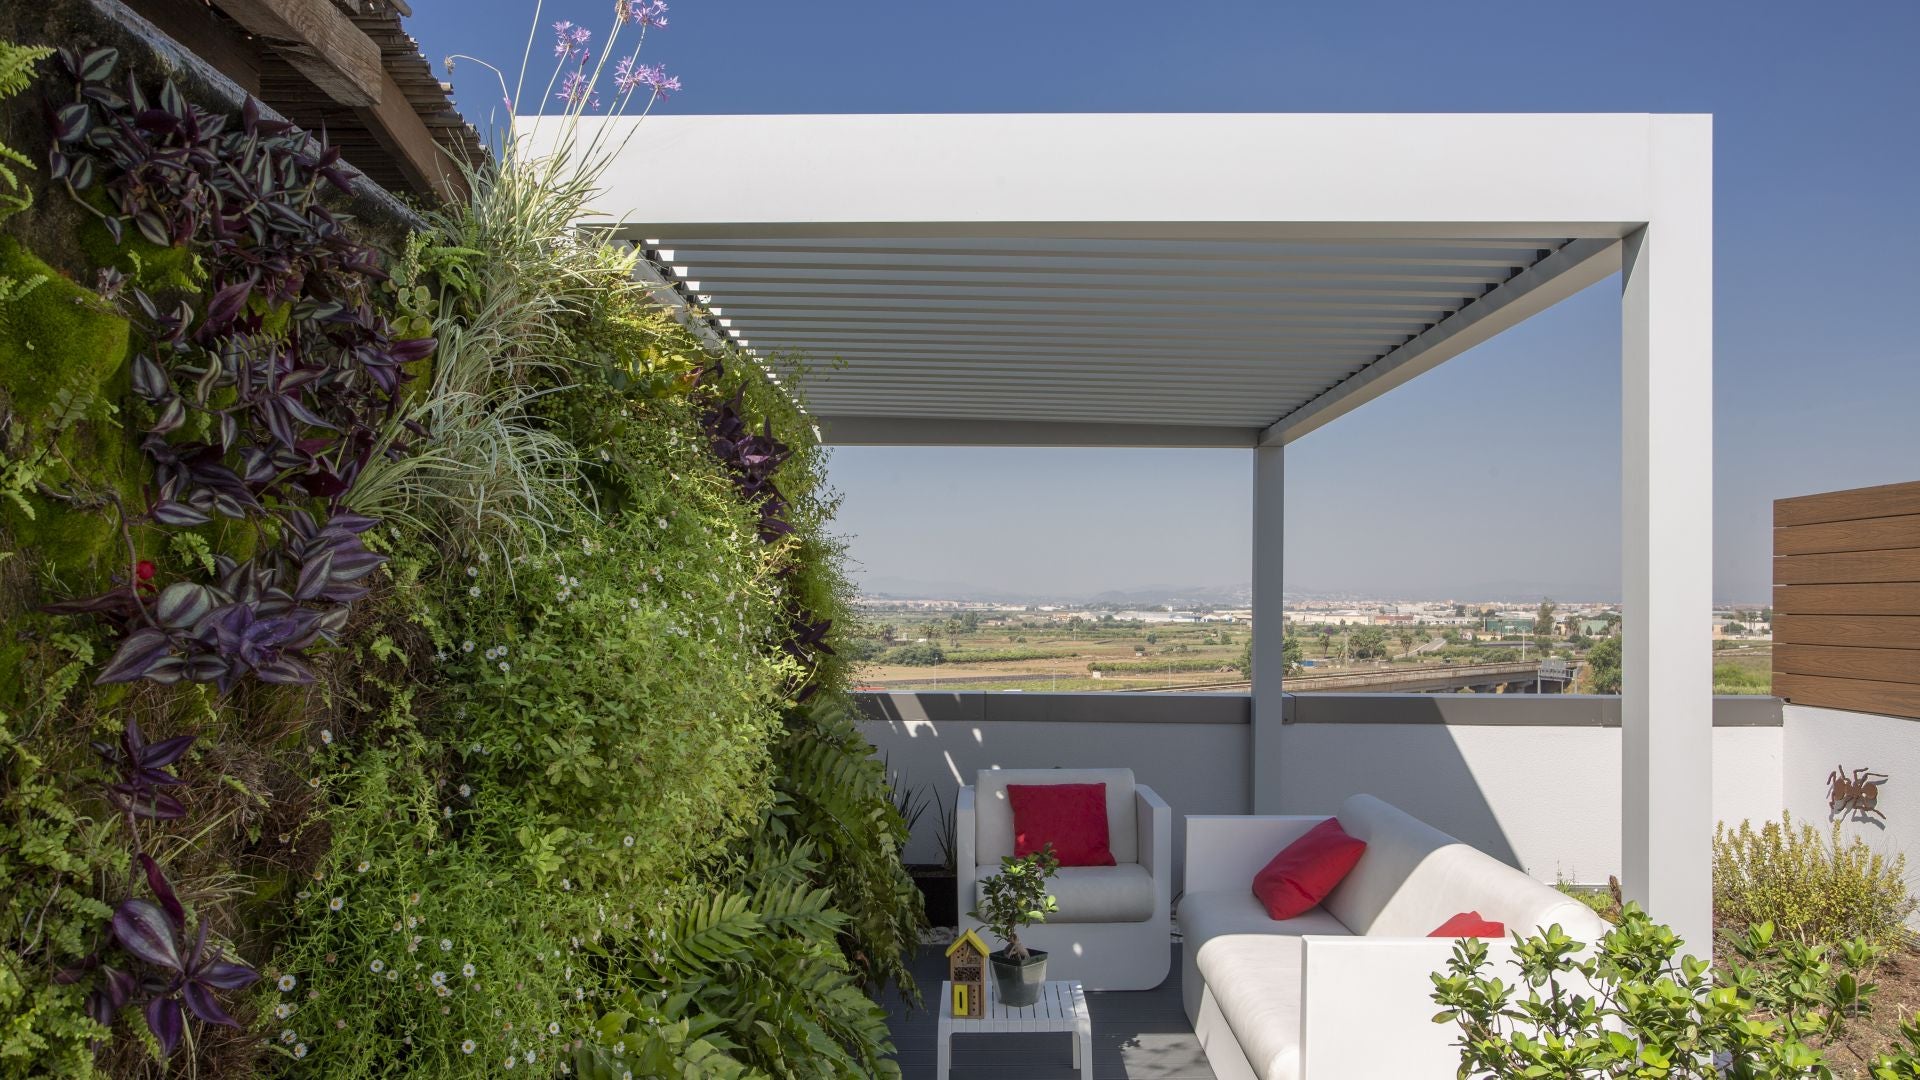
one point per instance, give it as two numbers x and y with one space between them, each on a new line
1255 981
1091 894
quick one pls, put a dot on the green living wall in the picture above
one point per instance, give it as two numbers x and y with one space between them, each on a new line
418 652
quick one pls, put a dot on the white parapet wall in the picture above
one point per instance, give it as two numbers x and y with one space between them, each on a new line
1819 741
1532 780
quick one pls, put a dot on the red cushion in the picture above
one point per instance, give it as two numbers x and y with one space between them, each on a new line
1309 868
1470 924
1071 817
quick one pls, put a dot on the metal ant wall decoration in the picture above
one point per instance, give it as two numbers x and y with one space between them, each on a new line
1855 793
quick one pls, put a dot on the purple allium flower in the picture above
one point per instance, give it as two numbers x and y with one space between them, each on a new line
630 75
645 13
581 35
574 90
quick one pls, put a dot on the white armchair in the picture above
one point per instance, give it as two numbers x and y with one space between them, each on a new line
1113 929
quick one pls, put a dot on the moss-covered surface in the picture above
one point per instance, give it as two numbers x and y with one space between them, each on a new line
59 344
63 375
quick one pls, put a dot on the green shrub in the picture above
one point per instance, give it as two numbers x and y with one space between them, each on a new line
1632 1006
918 654
1814 886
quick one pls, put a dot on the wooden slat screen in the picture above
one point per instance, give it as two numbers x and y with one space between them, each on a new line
1846 600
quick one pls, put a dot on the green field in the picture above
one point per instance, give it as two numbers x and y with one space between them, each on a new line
912 649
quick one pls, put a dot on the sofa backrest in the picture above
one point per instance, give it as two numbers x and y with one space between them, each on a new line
993 815
1413 877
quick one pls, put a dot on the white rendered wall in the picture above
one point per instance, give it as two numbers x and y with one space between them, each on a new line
1819 740
1543 798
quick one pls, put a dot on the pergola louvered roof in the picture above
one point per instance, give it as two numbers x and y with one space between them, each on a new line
1213 280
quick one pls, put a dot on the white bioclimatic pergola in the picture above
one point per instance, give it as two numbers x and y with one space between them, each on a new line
1229 281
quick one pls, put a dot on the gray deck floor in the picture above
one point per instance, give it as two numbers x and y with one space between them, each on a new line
1135 1035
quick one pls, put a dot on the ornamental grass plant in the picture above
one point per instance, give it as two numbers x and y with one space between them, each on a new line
1813 884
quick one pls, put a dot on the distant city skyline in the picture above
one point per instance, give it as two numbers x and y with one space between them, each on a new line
1501 466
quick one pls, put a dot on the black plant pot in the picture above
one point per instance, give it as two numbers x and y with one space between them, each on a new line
940 886
1018 981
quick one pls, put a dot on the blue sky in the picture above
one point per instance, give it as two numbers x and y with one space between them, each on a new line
1497 473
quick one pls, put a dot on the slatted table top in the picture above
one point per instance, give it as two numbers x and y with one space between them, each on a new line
1061 1007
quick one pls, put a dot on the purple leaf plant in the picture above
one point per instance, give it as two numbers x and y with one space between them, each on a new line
268 402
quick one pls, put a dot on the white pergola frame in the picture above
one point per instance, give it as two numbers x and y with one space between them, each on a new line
1630 193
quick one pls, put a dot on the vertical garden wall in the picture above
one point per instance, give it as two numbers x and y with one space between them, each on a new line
417 649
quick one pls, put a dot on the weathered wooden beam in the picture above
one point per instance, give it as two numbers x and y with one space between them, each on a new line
316 38
405 138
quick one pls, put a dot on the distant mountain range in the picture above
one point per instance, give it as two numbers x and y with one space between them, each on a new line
1227 596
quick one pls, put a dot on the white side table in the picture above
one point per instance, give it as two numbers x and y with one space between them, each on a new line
1062 1007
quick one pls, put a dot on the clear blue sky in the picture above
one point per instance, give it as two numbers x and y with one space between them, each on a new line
1817 373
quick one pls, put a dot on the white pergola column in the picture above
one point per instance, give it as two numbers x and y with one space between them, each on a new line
1269 658
1666 481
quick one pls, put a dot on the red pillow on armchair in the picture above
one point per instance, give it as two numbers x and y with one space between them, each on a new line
1071 817
1307 870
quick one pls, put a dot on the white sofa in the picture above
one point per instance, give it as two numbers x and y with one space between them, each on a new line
1342 992
1114 927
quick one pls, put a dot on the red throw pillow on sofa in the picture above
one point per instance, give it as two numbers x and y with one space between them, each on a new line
1071 817
1470 924
1303 874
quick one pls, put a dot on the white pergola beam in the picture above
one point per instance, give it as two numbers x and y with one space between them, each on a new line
1231 176
898 430
1666 527
1540 286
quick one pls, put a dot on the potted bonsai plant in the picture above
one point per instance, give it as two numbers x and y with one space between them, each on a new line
1017 896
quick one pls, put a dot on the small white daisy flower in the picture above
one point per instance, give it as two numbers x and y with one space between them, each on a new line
504 665
467 1047
467 645
604 455
473 591
627 840
393 974
510 1062
465 791
490 654
377 966
500 650
530 1056
287 1036
447 812
467 970
287 982
336 903
438 978
299 1050
282 1011
446 944
473 571
553 1028
326 736
363 866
